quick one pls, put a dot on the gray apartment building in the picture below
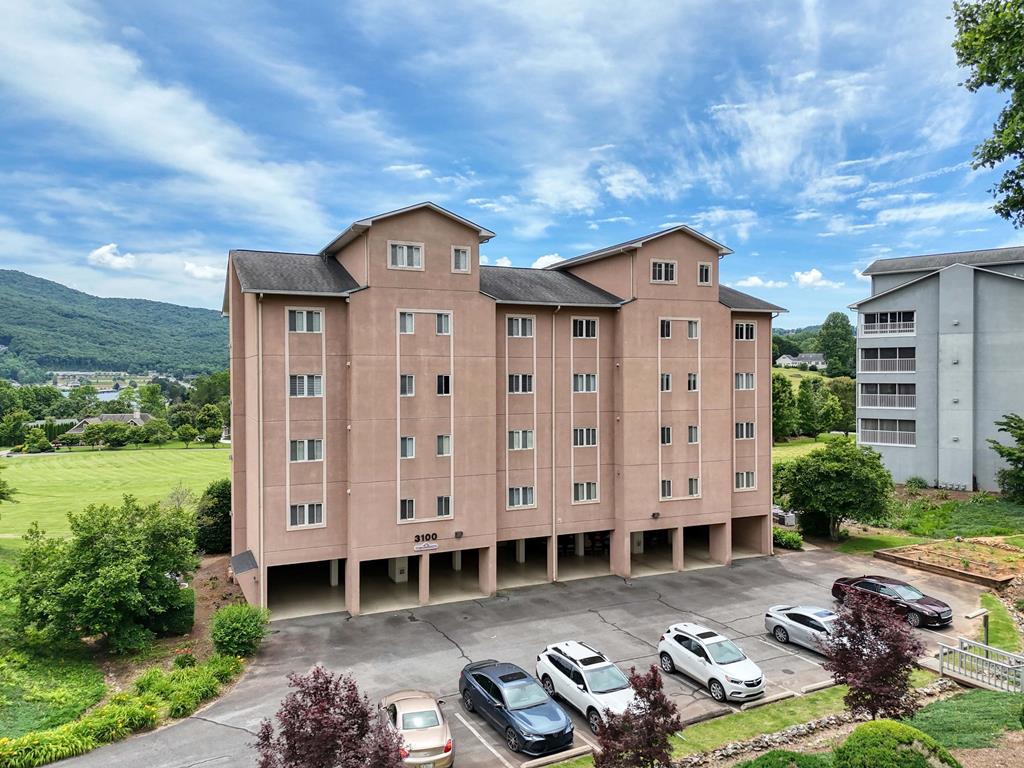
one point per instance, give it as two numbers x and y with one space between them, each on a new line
939 361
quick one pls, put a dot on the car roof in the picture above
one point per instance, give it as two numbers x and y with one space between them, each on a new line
700 632
410 699
581 653
497 671
813 611
881 579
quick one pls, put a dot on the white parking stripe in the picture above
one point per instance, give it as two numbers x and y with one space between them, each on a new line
585 740
779 647
483 741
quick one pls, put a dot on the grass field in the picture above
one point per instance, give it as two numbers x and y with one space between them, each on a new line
795 375
972 720
865 545
1002 630
795 448
49 486
980 516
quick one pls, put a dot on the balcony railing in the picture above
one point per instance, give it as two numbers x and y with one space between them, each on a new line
888 401
889 365
888 329
888 437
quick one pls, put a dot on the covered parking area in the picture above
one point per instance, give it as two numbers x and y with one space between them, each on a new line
651 552
751 536
522 562
584 555
453 576
305 589
705 546
389 584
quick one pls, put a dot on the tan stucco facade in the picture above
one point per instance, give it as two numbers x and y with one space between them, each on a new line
362 416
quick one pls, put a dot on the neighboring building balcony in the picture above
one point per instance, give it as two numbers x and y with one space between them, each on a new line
903 323
900 432
888 401
889 365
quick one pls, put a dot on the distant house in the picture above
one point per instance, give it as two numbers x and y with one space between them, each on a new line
804 358
134 419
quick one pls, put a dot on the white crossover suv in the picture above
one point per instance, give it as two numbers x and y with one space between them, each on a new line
584 678
711 659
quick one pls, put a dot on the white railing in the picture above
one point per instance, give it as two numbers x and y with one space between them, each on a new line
889 329
889 365
983 664
888 437
888 401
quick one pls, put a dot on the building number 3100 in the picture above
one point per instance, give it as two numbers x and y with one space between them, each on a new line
421 537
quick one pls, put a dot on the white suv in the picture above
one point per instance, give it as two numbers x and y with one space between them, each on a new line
584 678
713 660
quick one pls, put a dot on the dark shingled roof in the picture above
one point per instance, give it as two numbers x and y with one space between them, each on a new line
274 272
940 260
521 285
738 300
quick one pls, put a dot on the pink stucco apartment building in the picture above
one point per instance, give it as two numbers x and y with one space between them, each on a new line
410 426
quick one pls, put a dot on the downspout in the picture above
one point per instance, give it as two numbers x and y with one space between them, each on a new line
554 527
259 451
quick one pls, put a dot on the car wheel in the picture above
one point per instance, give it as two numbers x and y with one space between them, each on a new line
593 720
914 619
781 634
667 665
512 740
549 687
717 690
467 700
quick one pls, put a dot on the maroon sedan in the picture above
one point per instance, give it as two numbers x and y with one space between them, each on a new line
919 609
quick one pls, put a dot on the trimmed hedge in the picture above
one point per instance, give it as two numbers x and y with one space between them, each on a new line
889 744
781 758
238 630
787 539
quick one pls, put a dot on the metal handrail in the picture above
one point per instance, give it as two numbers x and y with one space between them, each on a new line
983 664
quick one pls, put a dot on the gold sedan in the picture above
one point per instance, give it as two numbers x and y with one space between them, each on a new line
417 716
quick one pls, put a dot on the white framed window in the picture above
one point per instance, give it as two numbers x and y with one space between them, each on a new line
443 324
406 322
444 384
460 258
407 447
692 329
666 329
520 496
666 489
305 385
304 320
305 515
693 486
407 509
584 382
584 437
520 439
691 382
444 445
584 491
744 480
306 450
693 434
744 331
584 329
666 382
744 381
519 327
663 271
407 385
444 506
704 273
666 435
520 383
744 430
405 255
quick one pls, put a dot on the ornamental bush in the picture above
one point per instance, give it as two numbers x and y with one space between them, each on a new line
787 539
782 758
238 630
213 517
889 744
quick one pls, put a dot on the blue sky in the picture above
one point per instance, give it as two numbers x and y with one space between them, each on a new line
141 141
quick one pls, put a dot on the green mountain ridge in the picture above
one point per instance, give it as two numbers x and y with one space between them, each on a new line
47 325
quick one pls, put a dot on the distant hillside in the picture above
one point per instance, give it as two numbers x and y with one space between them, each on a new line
809 329
50 326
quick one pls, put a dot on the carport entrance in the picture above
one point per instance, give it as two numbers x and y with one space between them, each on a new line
750 536
305 589
522 562
584 555
650 552
389 585
697 547
454 575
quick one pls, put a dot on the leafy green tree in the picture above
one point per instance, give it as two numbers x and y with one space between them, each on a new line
181 414
818 410
829 486
785 346
209 417
845 390
211 436
1011 478
83 401
210 389
116 576
151 400
837 342
784 413
42 401
12 427
213 517
157 431
93 435
990 45
36 441
6 491
187 434
9 398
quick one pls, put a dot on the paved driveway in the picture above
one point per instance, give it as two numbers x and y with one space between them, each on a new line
427 647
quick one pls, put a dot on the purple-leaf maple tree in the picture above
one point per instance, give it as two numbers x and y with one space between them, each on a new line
872 650
639 737
324 722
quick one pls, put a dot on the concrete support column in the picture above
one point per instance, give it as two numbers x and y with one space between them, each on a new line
488 557
766 535
424 584
334 572
457 560
620 557
580 547
678 538
552 558
720 540
520 550
352 586
636 543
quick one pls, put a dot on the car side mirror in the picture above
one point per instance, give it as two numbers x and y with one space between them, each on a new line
582 687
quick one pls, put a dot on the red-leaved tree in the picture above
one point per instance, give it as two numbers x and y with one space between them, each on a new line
639 737
325 723
873 650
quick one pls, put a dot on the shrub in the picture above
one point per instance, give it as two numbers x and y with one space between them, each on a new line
888 744
184 660
782 758
1019 605
915 483
1011 477
238 630
179 617
787 539
213 518
829 437
224 668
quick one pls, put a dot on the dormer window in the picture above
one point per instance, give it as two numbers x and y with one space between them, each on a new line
405 255
460 258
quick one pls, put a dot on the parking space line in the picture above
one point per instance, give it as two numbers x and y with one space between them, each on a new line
483 741
779 647
585 740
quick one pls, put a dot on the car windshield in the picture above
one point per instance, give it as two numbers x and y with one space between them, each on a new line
725 652
524 696
414 721
907 592
606 679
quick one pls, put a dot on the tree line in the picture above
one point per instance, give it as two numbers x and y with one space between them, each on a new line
835 339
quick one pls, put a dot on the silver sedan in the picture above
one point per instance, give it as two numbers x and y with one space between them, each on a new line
800 624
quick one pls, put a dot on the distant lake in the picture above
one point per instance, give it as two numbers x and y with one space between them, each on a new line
106 395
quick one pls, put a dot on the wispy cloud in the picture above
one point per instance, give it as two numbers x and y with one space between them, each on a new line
757 282
203 271
739 221
109 257
414 170
936 212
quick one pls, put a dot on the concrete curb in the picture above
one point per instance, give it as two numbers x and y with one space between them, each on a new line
766 700
818 686
558 757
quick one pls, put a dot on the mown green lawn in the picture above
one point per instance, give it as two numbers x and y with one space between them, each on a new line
1002 630
865 545
49 486
979 516
795 448
795 375
972 720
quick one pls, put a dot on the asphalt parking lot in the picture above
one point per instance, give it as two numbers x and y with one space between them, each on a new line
427 647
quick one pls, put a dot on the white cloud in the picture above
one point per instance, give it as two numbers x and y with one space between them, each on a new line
623 181
596 223
485 259
936 212
881 186
203 271
844 225
109 257
719 219
547 260
861 276
872 203
413 170
832 188
503 261
813 278
756 282
806 215
563 188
